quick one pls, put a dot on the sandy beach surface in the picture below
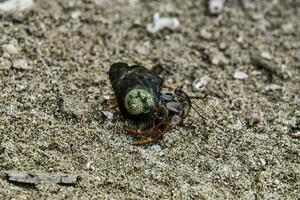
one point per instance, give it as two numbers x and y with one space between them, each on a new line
55 114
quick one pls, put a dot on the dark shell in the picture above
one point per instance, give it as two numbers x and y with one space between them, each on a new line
124 78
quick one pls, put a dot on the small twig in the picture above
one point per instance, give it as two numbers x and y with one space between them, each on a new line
268 65
37 178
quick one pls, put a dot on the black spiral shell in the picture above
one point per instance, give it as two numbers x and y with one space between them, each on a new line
125 78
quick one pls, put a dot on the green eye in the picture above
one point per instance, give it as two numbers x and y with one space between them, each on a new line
139 101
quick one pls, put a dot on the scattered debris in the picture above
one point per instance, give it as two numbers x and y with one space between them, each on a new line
216 6
160 23
5 64
199 85
240 75
256 116
9 48
108 115
37 178
21 64
16 5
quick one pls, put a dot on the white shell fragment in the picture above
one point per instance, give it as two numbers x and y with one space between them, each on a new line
160 23
240 75
16 5
21 64
216 6
10 49
199 85
108 114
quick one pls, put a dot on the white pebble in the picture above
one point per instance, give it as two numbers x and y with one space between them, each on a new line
204 33
106 97
89 165
76 14
160 23
155 148
267 55
21 64
200 84
272 87
240 75
216 6
16 5
9 48
238 125
108 114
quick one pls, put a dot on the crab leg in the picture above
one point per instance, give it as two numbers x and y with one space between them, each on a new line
149 140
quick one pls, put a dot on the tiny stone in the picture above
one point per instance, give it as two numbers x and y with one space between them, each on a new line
288 28
10 49
106 97
272 87
240 75
222 46
200 84
155 148
205 34
238 125
21 64
76 14
218 58
108 114
254 117
89 165
216 6
5 64
267 55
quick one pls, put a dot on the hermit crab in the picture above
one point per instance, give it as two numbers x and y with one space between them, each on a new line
140 96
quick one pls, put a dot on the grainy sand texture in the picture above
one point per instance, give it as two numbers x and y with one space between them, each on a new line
55 95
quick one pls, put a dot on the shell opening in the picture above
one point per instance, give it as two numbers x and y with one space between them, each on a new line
139 101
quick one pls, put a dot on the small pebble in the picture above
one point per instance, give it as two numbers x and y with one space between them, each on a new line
21 64
205 34
155 147
89 165
106 97
267 55
10 5
216 6
218 58
5 64
288 28
108 115
76 14
272 87
200 84
256 116
240 75
9 48
160 23
238 125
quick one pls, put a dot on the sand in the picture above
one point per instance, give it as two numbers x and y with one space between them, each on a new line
55 115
